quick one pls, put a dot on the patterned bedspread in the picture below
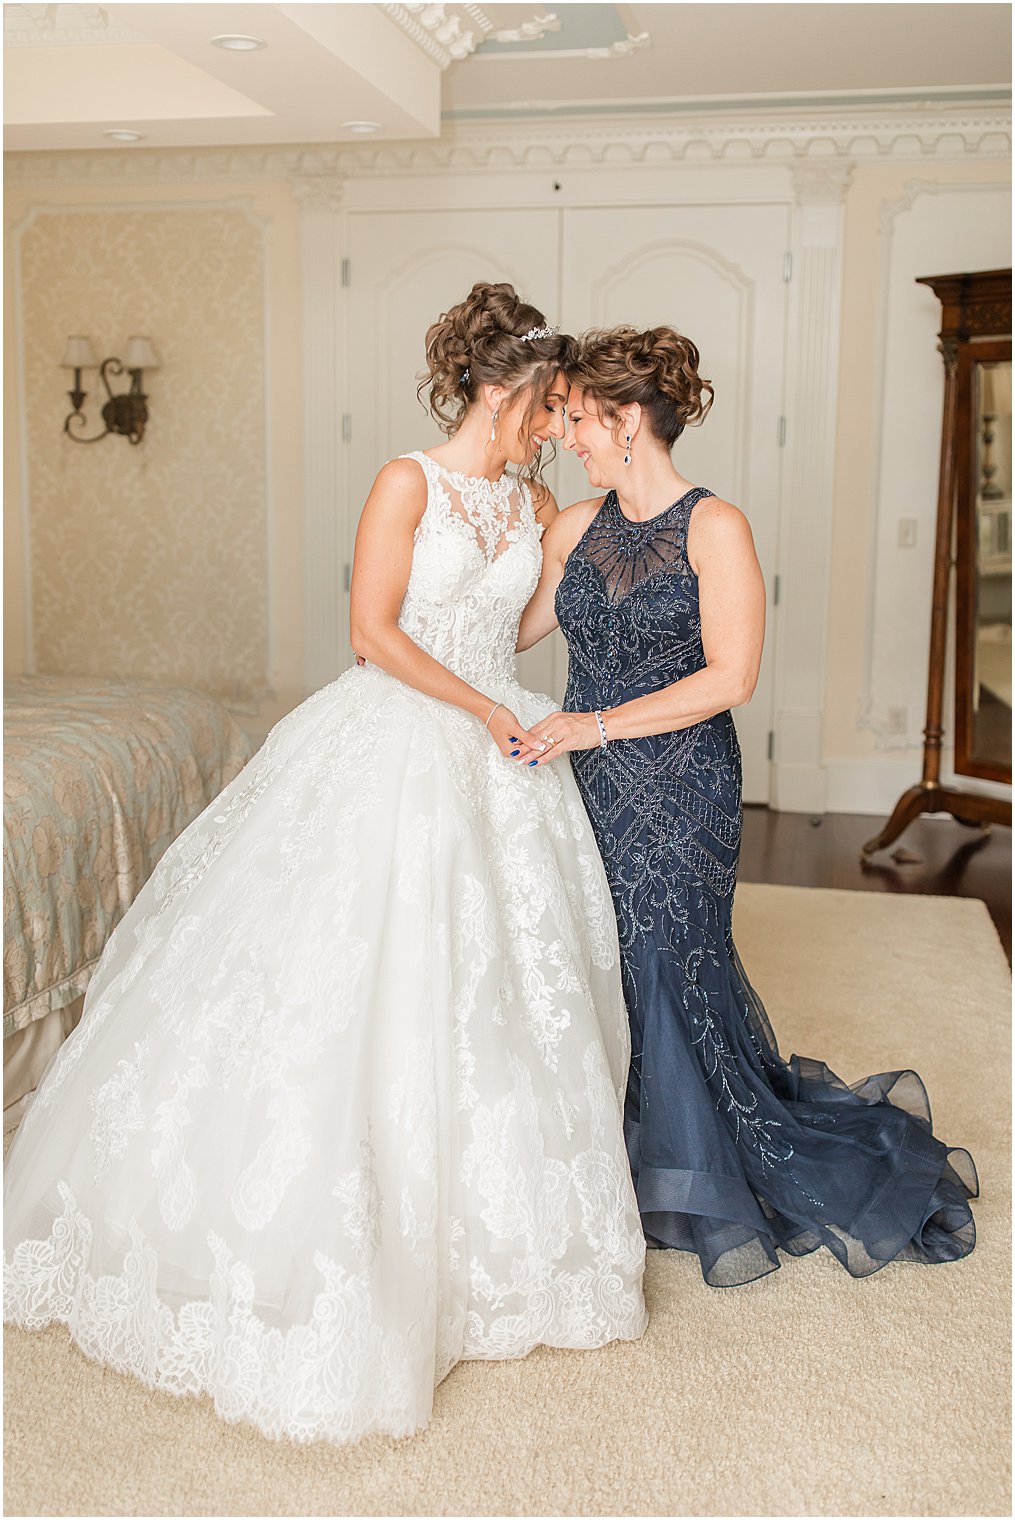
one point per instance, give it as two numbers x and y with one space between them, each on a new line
99 779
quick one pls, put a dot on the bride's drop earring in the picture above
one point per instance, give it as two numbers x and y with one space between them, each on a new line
627 455
493 423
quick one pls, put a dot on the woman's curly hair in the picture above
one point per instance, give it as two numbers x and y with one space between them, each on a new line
657 368
481 341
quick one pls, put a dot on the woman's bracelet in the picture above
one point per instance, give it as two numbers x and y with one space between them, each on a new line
492 711
603 740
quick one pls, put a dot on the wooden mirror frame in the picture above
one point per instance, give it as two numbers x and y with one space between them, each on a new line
974 308
967 762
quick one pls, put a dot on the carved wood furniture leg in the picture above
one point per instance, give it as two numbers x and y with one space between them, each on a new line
965 807
919 799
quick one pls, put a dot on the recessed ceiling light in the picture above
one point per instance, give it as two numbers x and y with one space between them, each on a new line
362 128
238 43
120 134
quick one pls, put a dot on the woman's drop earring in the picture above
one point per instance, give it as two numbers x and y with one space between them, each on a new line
627 455
493 423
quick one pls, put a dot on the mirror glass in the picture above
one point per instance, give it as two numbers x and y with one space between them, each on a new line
992 653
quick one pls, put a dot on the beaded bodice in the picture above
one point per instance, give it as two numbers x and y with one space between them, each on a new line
628 605
475 563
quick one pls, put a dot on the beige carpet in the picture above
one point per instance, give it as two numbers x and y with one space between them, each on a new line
806 1393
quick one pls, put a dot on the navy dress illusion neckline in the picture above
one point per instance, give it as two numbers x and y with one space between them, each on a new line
736 1153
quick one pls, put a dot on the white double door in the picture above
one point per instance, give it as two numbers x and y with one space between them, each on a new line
713 272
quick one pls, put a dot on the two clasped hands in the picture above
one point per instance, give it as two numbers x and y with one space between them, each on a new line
548 739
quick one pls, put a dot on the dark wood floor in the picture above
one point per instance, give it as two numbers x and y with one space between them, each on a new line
791 849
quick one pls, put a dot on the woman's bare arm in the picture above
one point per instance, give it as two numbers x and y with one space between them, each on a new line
731 599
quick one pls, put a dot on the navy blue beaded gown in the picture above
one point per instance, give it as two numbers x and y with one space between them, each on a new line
735 1152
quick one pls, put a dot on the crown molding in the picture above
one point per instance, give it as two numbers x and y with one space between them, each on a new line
441 31
801 137
65 26
533 30
622 48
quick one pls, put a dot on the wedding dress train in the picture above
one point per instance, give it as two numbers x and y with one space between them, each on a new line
344 1106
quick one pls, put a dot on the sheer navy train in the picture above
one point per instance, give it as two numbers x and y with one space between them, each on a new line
735 1152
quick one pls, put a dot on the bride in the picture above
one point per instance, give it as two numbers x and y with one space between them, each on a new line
344 1105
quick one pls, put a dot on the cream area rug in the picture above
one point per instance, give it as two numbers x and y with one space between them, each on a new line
804 1393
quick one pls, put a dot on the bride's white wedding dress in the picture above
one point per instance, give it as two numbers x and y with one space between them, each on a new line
345 1103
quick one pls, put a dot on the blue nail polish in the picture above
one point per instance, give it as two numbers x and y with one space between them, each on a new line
512 738
533 762
516 752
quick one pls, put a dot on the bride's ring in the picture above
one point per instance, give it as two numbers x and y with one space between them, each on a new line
548 741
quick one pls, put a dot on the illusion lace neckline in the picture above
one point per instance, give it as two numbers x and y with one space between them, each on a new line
502 482
647 522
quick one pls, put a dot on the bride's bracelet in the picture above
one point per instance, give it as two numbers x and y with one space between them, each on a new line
603 740
492 711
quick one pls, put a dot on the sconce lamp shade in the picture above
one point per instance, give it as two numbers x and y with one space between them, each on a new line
78 354
140 354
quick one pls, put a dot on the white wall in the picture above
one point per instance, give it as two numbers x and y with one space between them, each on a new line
869 198
902 222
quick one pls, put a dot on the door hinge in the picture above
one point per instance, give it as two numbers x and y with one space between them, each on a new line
347 427
771 744
346 576
776 589
787 267
782 432
346 274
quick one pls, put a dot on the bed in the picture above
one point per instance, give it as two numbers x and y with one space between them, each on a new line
99 778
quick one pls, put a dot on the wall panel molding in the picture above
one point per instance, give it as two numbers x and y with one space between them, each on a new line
60 473
872 715
324 317
798 781
939 132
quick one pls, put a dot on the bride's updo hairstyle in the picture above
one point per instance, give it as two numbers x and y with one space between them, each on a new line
657 368
484 340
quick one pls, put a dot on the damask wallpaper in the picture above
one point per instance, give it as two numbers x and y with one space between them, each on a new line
150 561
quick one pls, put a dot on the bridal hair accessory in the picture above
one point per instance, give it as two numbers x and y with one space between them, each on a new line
533 332
603 741
492 711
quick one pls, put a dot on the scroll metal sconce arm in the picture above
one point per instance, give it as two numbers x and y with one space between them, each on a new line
124 412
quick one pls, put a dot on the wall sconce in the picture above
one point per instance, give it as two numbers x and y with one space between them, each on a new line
126 412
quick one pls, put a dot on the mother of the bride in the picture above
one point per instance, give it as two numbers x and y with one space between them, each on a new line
735 1152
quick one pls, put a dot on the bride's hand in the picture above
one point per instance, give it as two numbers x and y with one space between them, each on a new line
557 735
508 734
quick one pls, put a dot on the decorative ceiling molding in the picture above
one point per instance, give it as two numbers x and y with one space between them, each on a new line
440 31
319 192
529 31
825 142
64 26
622 49
822 184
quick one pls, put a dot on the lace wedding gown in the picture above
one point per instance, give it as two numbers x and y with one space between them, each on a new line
345 1103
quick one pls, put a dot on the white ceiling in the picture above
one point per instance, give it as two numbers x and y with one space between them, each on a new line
727 53
75 71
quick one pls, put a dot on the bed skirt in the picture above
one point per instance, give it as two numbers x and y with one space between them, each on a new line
29 1051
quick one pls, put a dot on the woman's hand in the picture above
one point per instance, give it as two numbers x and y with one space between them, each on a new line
557 735
509 735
